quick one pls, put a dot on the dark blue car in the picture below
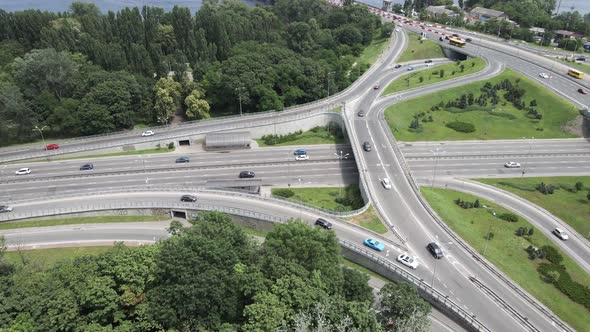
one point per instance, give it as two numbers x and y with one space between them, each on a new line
183 160
300 152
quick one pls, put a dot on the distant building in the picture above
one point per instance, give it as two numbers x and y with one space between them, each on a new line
387 5
564 34
538 33
484 14
438 11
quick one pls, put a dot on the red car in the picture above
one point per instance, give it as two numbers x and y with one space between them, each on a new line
52 147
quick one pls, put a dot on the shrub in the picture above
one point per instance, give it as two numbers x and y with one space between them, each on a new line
531 231
588 196
170 145
579 185
510 217
489 236
462 127
545 189
283 192
552 254
442 73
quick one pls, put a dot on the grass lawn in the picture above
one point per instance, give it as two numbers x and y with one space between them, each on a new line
505 122
432 75
373 51
572 208
79 220
369 220
114 154
507 251
319 136
420 49
324 197
46 258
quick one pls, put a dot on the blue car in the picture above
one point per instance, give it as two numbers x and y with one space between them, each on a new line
300 152
183 160
374 244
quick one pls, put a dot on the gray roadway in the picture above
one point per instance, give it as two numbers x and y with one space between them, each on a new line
402 208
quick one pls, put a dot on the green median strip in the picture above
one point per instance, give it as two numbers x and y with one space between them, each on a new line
569 200
369 220
421 49
435 74
115 154
508 106
79 220
508 251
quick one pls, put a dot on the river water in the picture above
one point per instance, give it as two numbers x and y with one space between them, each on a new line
583 6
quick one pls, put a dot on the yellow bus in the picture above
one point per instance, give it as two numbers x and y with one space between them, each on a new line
456 42
575 73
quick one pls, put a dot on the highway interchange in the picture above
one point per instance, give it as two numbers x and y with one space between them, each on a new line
413 226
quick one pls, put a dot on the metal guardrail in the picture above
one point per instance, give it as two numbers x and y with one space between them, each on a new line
344 214
424 288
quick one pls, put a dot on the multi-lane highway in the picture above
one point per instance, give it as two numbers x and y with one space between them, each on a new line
401 207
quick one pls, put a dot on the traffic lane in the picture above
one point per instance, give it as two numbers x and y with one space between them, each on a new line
296 174
496 147
452 276
154 161
278 209
577 247
564 86
494 165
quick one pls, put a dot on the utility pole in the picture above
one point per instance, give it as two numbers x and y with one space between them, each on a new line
328 77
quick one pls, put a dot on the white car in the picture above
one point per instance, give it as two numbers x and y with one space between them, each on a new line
408 261
386 183
23 171
512 164
396 30
302 157
543 75
147 133
5 208
560 233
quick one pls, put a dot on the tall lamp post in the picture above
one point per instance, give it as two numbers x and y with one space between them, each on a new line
240 92
341 156
328 78
488 235
436 153
40 130
527 155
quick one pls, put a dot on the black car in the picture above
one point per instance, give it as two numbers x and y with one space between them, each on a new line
361 113
468 40
428 61
435 250
323 223
86 167
440 39
247 174
183 160
367 146
397 66
582 91
188 198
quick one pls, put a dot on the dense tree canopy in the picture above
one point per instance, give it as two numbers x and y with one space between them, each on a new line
210 276
270 57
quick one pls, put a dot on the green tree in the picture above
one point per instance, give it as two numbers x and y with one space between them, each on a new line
356 287
196 106
195 284
267 313
167 93
400 302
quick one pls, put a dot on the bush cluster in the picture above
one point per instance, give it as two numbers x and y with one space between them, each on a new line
277 139
522 231
352 198
545 189
462 127
283 192
535 252
467 204
510 217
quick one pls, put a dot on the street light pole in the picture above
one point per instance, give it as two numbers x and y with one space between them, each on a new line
40 130
239 90
436 153
485 248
